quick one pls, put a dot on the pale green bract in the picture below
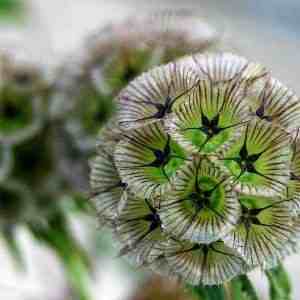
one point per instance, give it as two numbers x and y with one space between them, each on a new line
199 173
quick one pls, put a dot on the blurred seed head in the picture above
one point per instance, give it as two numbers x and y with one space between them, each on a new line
22 99
111 57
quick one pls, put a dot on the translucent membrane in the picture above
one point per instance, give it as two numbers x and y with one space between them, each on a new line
139 230
278 105
264 228
293 188
212 115
235 73
147 158
109 136
201 206
204 264
260 160
209 119
292 195
295 161
292 245
151 96
107 187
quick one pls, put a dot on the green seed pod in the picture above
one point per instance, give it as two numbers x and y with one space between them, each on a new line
205 161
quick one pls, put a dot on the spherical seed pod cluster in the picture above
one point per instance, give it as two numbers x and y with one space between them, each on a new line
198 174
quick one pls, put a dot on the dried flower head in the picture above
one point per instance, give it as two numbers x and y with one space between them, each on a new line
199 177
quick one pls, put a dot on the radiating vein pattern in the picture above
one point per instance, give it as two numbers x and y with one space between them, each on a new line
106 185
201 207
278 105
260 160
208 264
139 230
295 161
147 159
153 95
264 227
109 136
210 118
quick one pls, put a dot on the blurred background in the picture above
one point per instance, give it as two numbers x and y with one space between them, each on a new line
61 64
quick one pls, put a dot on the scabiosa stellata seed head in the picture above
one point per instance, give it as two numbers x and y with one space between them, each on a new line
200 175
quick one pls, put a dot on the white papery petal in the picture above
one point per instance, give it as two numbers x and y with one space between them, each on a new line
152 95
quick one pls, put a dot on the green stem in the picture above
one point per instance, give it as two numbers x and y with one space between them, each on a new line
215 292
279 283
239 288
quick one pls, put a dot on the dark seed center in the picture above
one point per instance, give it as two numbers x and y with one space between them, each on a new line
9 110
250 216
210 127
200 199
154 220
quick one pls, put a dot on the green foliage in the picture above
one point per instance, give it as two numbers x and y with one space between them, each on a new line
208 293
11 9
279 283
241 289
56 235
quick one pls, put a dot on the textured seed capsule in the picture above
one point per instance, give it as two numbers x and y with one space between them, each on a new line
208 148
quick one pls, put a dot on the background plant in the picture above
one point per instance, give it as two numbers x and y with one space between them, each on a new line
48 129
